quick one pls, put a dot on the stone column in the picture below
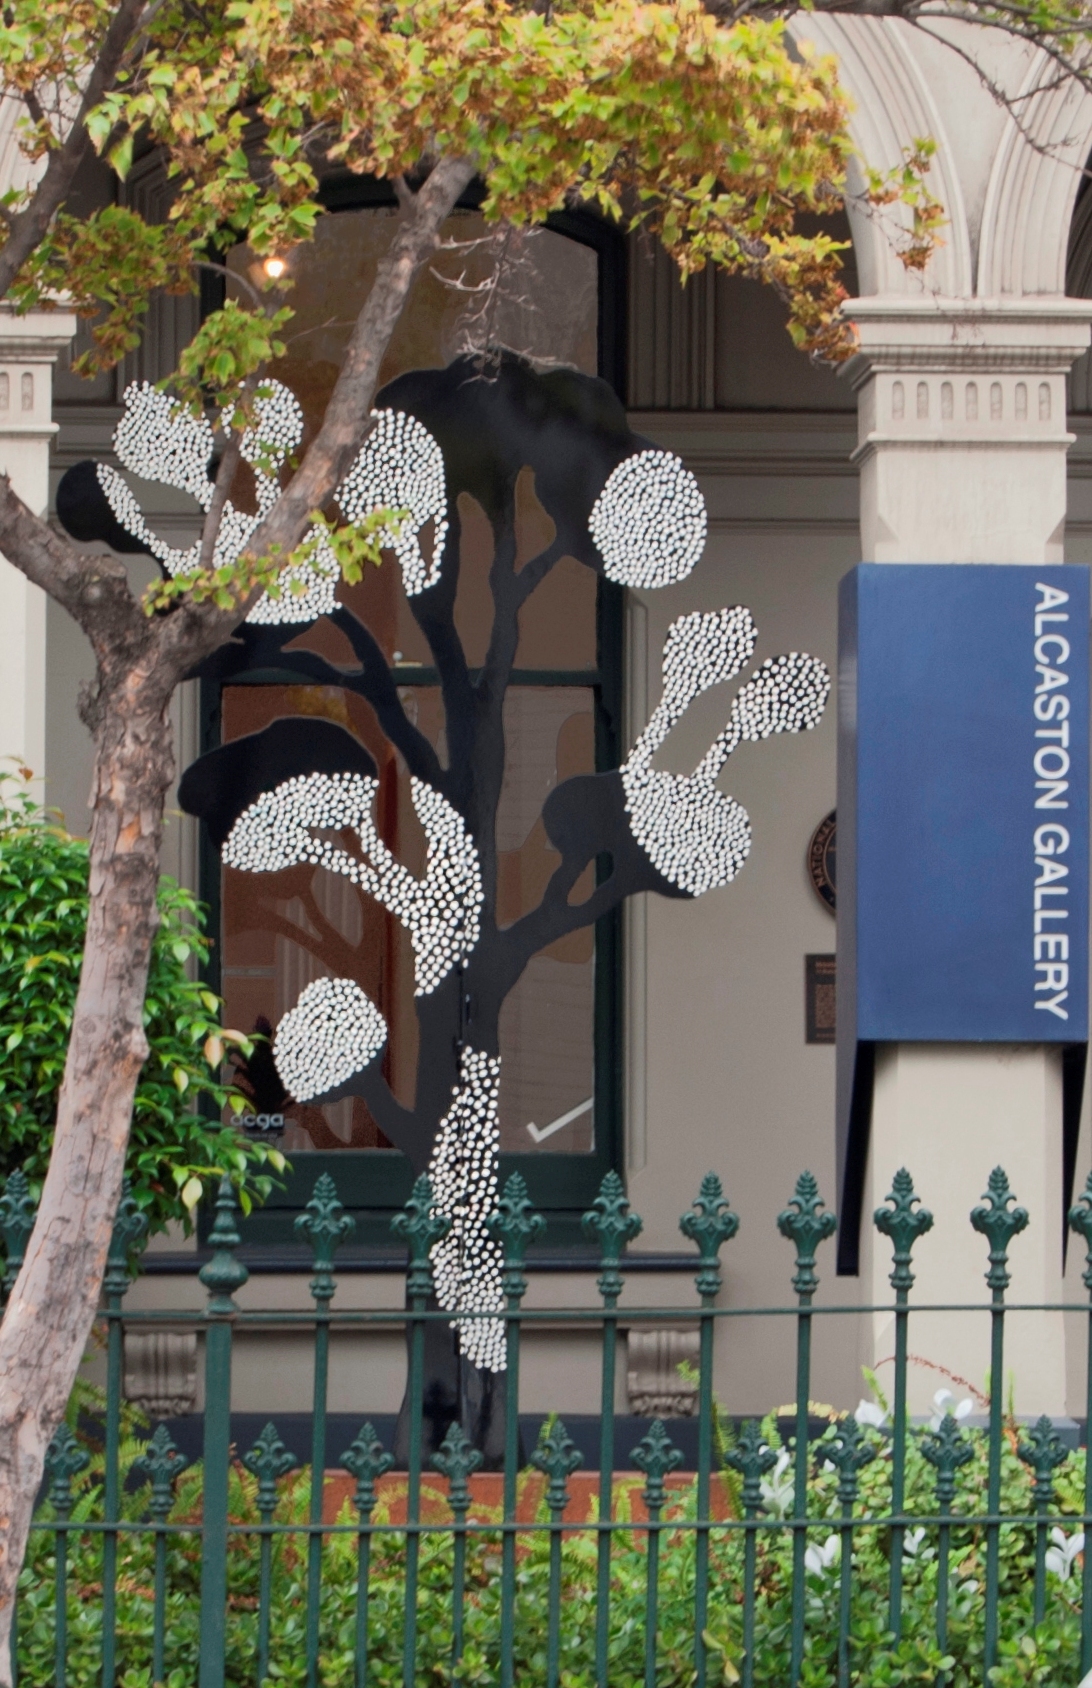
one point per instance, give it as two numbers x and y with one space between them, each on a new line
29 346
962 454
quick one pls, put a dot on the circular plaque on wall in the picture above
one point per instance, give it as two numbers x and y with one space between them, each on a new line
822 858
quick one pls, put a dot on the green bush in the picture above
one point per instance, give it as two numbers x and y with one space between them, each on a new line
175 1149
1028 1655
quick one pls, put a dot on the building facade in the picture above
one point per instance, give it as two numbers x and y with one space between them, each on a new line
960 433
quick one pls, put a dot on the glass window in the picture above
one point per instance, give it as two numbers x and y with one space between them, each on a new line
281 931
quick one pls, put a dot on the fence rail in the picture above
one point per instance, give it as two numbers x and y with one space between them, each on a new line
864 1549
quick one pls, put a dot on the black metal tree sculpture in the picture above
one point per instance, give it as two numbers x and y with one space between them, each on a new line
302 792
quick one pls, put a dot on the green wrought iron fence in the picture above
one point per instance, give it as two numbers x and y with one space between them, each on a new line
844 1555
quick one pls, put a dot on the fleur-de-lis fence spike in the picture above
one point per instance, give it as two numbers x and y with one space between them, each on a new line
999 1224
806 1223
366 1460
946 1449
420 1225
612 1225
1080 1220
656 1455
752 1457
268 1460
17 1214
1043 1452
849 1451
324 1224
709 1224
456 1459
130 1227
160 1463
65 1459
904 1222
558 1458
223 1274
516 1225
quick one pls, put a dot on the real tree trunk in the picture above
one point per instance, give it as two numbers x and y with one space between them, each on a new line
52 1308
48 1319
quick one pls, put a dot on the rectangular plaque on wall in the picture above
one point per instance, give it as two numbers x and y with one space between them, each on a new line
819 998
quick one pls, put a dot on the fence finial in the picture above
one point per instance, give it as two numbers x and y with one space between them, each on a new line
130 1225
160 1463
998 1224
611 1223
946 1449
420 1224
752 1456
849 1452
268 1460
17 1215
656 1455
904 1222
709 1223
325 1224
557 1456
457 1459
1043 1451
223 1274
806 1222
516 1225
65 1459
1080 1220
366 1460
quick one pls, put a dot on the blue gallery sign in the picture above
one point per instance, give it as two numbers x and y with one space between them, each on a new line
963 804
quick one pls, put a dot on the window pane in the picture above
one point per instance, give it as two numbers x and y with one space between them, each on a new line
283 930
547 1022
544 302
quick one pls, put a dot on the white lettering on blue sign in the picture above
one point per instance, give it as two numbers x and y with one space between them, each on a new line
1050 950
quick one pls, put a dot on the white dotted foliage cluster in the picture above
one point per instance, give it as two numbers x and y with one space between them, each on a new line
159 440
401 467
334 1031
696 836
649 521
467 1262
441 912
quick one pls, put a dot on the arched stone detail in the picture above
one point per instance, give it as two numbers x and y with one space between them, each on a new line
1078 285
1033 187
894 107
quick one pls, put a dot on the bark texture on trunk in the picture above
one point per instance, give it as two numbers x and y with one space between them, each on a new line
48 1320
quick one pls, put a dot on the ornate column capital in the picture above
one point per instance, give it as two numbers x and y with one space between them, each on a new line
29 346
962 434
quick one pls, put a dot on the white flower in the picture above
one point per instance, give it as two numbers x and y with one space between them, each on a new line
777 1488
944 1402
869 1413
820 1559
1060 1557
